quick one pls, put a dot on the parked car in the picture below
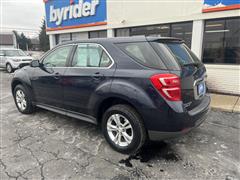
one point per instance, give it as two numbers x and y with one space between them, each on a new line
136 88
12 59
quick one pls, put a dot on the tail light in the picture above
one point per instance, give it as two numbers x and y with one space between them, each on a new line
168 85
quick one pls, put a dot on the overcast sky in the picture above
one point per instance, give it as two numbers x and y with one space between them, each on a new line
22 15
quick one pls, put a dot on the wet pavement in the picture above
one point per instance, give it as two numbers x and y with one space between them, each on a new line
46 145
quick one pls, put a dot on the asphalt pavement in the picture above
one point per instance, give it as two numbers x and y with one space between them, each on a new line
46 145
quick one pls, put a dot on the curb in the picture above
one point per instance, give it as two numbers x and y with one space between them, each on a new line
225 110
225 103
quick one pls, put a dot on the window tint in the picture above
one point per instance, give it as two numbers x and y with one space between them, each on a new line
181 53
80 57
88 55
221 42
57 58
175 54
105 60
143 53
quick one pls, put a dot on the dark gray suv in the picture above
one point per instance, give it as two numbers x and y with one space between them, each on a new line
136 88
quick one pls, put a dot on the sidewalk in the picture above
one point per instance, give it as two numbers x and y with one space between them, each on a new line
225 103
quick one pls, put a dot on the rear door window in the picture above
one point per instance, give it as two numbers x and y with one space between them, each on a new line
90 55
143 53
81 56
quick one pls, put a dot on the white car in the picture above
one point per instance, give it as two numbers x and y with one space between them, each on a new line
12 59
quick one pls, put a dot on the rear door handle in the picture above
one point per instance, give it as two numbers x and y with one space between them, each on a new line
57 75
97 76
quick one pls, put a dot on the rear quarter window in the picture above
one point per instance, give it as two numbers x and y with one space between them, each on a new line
143 53
182 54
175 54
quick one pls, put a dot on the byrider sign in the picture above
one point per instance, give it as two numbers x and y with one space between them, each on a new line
69 14
220 5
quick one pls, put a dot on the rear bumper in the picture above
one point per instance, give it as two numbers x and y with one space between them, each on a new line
158 135
181 123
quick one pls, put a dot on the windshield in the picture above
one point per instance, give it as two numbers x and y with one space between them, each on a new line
182 53
13 53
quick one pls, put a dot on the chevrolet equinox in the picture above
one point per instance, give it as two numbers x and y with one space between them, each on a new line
136 88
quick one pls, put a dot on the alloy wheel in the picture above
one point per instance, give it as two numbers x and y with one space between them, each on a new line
9 68
21 100
120 130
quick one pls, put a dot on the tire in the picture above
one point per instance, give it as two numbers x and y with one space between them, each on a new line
27 107
136 133
9 68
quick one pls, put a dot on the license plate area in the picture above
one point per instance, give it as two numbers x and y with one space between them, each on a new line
199 88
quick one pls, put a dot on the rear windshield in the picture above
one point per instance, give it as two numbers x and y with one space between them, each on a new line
143 53
181 53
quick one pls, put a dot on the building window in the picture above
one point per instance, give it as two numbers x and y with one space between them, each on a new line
97 34
183 31
65 37
164 30
156 30
79 36
124 32
221 44
178 30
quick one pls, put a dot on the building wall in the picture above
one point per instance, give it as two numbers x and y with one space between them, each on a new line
134 13
142 12
224 78
8 40
122 13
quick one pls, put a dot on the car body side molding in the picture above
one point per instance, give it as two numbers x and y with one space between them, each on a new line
79 116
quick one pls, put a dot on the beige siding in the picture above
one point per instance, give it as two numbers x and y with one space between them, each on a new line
224 78
129 13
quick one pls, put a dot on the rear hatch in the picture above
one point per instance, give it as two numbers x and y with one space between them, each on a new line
172 57
180 60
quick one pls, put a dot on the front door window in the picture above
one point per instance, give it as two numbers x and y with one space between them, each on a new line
57 58
90 55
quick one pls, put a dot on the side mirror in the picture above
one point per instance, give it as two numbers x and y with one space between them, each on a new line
35 63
